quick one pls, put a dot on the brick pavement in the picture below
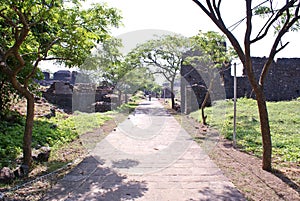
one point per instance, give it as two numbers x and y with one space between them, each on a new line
148 157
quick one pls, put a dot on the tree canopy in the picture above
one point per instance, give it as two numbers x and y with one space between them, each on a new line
36 30
163 55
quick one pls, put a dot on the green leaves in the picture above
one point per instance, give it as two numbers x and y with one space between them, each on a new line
212 48
35 30
262 10
164 52
279 16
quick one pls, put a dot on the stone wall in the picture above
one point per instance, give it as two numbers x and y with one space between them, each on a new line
61 75
82 97
282 83
196 81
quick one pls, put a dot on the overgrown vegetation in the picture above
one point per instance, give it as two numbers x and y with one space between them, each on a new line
52 132
284 122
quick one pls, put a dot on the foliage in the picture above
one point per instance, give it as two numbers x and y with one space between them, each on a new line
284 122
106 62
135 80
7 95
270 10
212 57
213 49
46 132
32 31
163 55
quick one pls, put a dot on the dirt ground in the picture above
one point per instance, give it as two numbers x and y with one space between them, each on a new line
247 175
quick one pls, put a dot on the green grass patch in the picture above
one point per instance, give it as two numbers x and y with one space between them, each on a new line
46 132
284 120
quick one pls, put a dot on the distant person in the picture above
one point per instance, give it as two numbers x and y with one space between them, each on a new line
149 97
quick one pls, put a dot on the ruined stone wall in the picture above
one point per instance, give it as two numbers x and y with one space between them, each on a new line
282 81
193 89
83 97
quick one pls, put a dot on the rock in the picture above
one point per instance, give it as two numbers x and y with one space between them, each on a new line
21 171
44 154
51 114
6 175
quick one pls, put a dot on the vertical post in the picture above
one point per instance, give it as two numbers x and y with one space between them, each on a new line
164 95
234 105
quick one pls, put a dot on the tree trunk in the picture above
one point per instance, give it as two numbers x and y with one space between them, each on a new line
265 131
172 95
119 97
263 117
204 102
27 139
126 98
203 116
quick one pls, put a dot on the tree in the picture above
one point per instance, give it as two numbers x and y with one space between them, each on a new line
287 14
6 91
214 53
165 54
134 80
108 63
32 31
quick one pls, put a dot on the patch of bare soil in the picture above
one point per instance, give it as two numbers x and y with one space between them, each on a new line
247 175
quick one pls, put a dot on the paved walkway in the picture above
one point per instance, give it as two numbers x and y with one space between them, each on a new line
148 157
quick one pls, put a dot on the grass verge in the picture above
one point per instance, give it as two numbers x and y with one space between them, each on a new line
284 119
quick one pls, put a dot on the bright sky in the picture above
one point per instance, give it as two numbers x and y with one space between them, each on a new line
143 18
186 18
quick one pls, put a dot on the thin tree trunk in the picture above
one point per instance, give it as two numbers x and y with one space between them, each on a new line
119 97
204 102
265 131
27 139
203 105
172 95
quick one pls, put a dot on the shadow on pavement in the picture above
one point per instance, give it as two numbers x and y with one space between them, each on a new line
228 193
125 163
89 180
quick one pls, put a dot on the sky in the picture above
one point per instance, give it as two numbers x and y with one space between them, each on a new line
186 18
143 18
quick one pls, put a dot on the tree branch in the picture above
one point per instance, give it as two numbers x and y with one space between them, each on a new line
219 23
287 25
265 29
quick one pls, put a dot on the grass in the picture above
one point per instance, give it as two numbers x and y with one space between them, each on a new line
53 132
284 120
